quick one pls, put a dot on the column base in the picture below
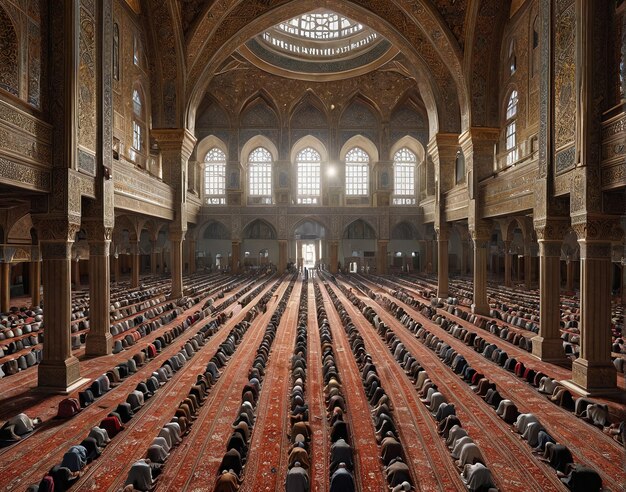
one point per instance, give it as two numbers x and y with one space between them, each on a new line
97 345
594 378
549 350
442 294
59 376
482 310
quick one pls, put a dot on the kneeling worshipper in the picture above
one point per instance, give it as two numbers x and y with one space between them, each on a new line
227 482
342 480
297 479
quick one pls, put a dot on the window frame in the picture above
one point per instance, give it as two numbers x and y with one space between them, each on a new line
357 168
312 184
214 180
261 169
404 172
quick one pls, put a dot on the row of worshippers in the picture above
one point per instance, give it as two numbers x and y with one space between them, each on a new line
526 424
144 472
397 472
299 462
231 468
341 455
598 414
65 473
464 450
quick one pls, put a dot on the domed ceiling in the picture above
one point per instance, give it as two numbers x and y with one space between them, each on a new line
319 45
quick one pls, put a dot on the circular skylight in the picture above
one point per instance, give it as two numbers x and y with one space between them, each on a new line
321 42
321 25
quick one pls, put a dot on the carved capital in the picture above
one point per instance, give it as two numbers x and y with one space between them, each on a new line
97 231
550 229
55 229
177 235
175 140
480 230
597 227
443 231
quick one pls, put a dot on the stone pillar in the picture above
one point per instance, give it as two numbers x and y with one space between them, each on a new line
235 256
176 267
192 256
333 253
569 279
507 264
480 304
429 257
99 339
59 369
35 282
118 269
5 279
442 261
527 266
593 370
382 266
548 345
154 258
282 255
135 264
464 256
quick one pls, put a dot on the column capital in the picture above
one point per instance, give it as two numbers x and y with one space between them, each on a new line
442 230
176 235
551 229
175 140
597 227
56 250
55 228
480 231
476 135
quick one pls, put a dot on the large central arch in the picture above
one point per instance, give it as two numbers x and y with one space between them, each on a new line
435 65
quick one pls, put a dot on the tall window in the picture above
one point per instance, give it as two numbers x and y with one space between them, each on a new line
357 172
137 113
308 162
511 134
260 175
135 50
116 51
215 177
404 163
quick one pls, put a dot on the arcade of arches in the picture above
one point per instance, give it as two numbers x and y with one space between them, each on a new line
471 153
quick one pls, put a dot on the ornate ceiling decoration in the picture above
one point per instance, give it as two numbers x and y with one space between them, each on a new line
318 45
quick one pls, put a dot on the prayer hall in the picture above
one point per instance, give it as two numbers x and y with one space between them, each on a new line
312 245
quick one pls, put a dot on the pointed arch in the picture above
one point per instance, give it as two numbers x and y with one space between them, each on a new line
363 142
308 112
259 229
309 141
260 111
212 114
359 112
359 229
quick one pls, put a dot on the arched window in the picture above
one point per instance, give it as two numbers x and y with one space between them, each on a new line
215 177
404 163
137 124
260 175
511 133
357 172
116 51
308 162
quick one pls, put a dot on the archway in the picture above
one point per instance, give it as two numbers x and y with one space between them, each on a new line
359 247
309 238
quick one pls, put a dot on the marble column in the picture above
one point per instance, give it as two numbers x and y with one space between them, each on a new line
192 256
480 303
282 255
235 257
593 370
176 267
154 258
442 261
135 264
59 369
99 339
507 265
5 288
528 267
333 247
381 267
547 345
429 257
35 282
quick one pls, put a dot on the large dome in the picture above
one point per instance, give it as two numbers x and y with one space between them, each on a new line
320 42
